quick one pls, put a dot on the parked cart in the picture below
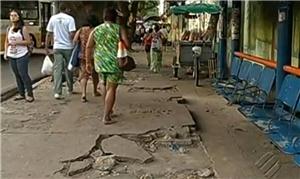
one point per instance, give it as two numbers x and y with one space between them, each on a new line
195 56
184 50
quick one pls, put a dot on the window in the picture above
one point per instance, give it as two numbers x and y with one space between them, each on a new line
28 9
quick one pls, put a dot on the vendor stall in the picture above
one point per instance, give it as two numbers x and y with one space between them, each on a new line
185 54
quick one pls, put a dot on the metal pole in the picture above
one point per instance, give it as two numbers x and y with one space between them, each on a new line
246 25
285 23
235 29
222 43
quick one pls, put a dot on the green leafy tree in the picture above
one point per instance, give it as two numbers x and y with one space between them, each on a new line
148 8
131 10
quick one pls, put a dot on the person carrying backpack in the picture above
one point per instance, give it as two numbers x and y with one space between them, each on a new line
16 51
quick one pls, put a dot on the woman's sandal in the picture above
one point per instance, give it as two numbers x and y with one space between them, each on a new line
19 97
108 121
29 99
83 99
112 114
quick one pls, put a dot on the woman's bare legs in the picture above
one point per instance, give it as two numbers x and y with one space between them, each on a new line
83 84
95 79
109 101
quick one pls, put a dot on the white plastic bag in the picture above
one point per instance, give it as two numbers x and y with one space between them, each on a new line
47 67
70 67
122 52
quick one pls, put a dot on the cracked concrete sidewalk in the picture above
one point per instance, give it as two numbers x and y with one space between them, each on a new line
38 139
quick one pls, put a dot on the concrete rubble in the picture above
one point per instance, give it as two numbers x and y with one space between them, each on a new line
104 163
128 150
205 173
109 158
147 176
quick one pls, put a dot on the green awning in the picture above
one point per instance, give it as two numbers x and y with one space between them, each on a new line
196 8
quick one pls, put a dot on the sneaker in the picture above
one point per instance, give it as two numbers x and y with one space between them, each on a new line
57 96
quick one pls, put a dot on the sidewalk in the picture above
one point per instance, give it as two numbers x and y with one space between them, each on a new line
154 137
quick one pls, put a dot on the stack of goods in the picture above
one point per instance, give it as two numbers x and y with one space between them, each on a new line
185 36
191 36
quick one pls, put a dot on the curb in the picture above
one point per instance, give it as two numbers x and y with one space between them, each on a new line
13 90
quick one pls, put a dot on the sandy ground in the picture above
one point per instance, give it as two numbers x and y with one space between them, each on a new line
56 139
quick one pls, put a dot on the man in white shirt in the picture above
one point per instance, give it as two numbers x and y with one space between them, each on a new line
62 28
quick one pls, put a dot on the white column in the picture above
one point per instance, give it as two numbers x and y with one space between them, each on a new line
246 25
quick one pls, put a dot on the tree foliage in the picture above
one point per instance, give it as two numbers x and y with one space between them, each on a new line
131 10
148 8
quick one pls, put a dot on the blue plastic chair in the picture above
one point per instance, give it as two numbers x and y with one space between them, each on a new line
252 81
287 97
254 76
295 140
235 68
261 112
265 84
242 77
280 128
295 127
254 99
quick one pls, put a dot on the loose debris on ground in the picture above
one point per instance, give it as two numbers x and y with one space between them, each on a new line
108 159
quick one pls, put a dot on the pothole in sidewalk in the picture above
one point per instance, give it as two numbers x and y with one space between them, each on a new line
135 154
178 99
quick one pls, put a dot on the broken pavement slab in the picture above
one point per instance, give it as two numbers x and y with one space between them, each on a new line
122 147
78 167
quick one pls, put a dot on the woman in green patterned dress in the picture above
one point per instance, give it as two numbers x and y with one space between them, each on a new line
104 40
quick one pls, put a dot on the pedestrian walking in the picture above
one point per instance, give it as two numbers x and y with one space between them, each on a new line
81 37
156 51
62 27
147 43
164 35
16 51
104 41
